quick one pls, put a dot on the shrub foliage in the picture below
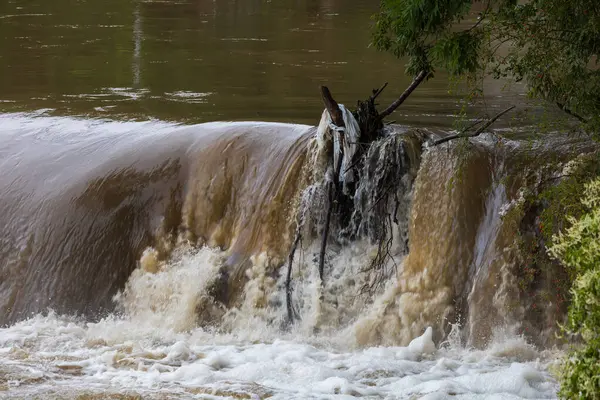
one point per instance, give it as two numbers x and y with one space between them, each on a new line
579 249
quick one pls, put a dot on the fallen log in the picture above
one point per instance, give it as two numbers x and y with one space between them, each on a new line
337 117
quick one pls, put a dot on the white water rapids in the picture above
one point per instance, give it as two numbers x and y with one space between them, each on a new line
153 349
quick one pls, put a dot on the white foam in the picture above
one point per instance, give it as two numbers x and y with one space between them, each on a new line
155 348
78 357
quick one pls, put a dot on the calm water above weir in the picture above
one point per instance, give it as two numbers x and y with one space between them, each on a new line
199 60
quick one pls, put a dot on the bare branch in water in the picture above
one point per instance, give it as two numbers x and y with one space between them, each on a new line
480 130
392 107
325 234
332 187
377 92
379 265
332 107
288 280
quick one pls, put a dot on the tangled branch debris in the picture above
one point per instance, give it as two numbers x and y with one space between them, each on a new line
378 173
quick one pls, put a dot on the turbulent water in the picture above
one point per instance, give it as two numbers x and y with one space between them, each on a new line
148 259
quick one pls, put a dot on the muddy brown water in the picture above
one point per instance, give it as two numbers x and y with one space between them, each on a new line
198 61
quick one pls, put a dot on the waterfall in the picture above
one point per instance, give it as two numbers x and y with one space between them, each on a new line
419 237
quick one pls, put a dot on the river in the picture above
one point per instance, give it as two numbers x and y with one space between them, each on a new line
154 157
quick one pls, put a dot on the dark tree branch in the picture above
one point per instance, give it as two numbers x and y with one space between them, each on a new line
378 91
571 113
476 133
392 107
325 234
288 280
397 202
338 119
332 107
473 125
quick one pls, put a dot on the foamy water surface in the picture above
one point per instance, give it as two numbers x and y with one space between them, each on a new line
138 353
58 357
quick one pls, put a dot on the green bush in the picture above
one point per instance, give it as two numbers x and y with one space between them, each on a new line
579 249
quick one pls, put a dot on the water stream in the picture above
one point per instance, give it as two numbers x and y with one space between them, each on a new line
144 236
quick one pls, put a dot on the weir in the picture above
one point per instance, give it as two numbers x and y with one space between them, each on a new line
428 241
77 214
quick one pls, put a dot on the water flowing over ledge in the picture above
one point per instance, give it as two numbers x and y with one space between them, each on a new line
169 244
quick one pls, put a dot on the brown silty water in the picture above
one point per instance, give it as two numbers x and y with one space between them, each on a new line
79 216
85 202
466 264
75 222
142 257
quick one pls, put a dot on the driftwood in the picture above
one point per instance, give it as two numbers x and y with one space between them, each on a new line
332 107
336 116
377 92
371 129
480 130
369 121
288 281
416 82
325 233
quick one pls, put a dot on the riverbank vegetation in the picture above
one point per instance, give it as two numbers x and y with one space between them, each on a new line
552 47
578 247
549 45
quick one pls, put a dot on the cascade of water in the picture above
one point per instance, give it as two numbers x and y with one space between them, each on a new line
424 243
186 229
